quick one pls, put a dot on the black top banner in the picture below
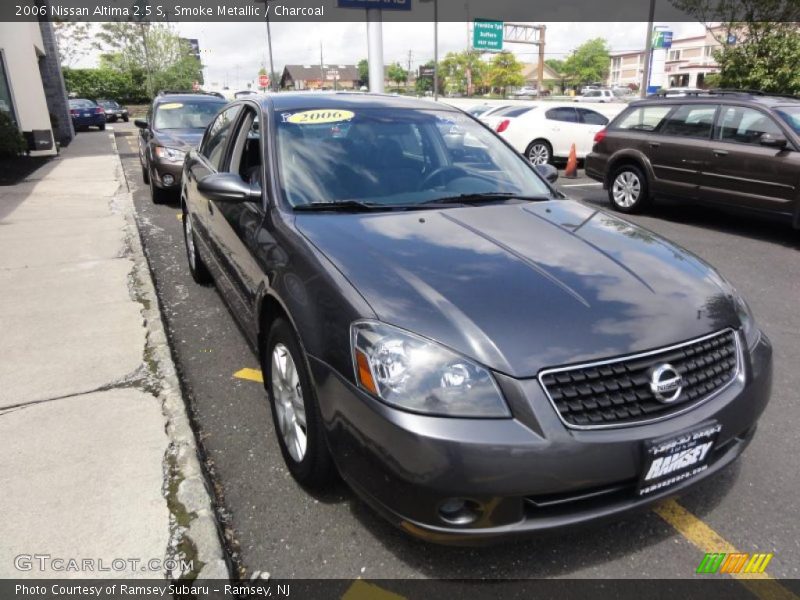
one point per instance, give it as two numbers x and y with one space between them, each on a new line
392 10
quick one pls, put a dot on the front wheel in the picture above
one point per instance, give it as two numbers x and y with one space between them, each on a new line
102 127
197 268
539 152
629 191
295 412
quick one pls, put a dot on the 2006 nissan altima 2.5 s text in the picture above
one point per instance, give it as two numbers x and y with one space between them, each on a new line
476 355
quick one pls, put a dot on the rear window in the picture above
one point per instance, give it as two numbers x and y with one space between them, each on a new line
642 118
81 104
517 111
690 120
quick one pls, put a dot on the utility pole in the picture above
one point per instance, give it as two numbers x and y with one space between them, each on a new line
540 70
648 50
435 49
375 49
408 72
272 82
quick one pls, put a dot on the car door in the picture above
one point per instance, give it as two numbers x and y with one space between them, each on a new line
743 172
591 122
212 158
236 225
563 129
678 150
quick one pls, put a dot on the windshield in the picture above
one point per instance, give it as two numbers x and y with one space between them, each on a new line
390 156
186 114
791 115
81 104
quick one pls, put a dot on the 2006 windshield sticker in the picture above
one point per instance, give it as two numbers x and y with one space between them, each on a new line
318 116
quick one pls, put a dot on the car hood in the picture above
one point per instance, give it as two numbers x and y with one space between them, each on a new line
182 139
520 287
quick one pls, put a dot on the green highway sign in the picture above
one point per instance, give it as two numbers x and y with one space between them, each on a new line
487 36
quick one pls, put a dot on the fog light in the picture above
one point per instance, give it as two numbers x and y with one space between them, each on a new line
459 511
168 179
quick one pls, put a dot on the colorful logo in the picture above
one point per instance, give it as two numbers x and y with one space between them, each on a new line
720 562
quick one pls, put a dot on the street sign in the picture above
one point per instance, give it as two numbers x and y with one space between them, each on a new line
263 81
662 39
425 72
382 4
487 36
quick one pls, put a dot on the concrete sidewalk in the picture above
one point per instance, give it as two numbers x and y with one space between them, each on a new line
97 459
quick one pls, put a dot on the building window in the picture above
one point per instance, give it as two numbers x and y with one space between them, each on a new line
6 101
674 55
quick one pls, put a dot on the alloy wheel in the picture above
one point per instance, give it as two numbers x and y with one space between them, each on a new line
289 406
539 154
626 189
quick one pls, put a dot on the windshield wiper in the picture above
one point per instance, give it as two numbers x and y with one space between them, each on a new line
341 206
486 197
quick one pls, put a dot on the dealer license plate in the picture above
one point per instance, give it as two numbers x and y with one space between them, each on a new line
675 459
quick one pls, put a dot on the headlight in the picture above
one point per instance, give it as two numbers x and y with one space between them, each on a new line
749 328
170 154
419 375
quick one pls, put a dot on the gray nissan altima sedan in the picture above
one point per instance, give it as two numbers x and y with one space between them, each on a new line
476 355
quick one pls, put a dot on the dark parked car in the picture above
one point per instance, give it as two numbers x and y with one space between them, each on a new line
733 149
86 113
175 123
114 111
476 355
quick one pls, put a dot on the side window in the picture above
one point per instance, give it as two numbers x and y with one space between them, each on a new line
565 114
744 125
690 120
246 151
591 117
643 118
517 111
214 143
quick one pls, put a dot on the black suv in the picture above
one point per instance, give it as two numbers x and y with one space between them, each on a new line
738 149
175 124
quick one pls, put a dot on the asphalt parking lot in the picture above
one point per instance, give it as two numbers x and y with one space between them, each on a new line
273 525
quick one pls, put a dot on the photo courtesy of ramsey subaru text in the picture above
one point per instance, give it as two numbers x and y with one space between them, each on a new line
476 355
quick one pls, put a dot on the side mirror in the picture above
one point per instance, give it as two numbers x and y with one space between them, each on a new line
140 123
773 141
228 187
548 172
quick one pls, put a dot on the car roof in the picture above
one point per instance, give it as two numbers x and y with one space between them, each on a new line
188 96
348 100
724 97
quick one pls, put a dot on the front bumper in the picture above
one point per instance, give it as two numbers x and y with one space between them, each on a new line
159 170
527 474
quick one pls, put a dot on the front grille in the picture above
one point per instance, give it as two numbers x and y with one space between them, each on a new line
617 392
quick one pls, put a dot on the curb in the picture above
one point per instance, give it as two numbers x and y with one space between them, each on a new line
194 533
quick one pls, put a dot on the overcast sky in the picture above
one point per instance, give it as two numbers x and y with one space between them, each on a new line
233 52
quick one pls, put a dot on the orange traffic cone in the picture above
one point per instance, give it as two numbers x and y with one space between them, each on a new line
571 172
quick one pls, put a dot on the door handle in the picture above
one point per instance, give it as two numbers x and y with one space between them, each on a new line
719 152
655 144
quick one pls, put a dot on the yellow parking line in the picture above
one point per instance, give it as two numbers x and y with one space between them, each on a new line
361 590
707 540
180 216
250 375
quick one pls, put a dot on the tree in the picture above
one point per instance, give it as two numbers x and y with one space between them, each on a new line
396 74
588 63
556 64
766 42
73 39
505 71
463 72
151 54
363 72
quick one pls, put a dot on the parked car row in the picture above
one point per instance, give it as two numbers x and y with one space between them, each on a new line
87 113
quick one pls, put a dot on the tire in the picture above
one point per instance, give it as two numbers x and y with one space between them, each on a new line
539 152
292 400
125 119
628 190
102 127
197 267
